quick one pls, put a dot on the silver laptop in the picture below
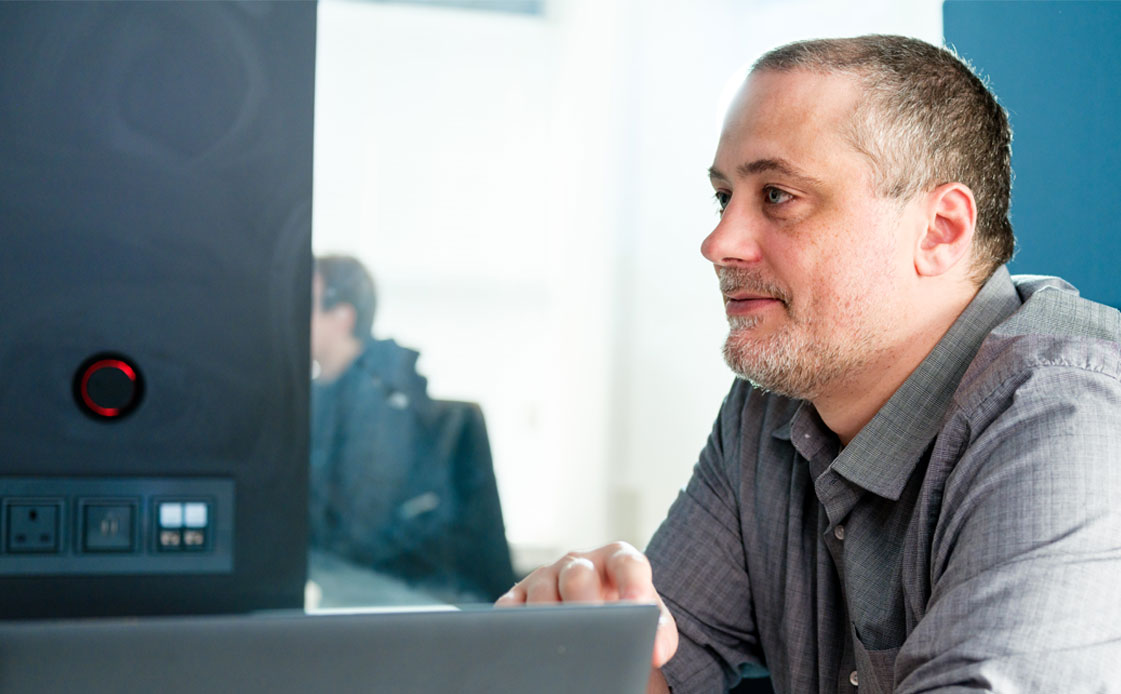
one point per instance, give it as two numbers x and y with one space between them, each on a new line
543 650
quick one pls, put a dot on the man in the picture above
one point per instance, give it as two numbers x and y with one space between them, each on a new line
916 485
379 497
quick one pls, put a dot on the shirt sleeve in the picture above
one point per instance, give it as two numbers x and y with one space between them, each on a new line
1026 556
698 560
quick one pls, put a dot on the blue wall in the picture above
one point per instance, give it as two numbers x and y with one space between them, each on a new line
1056 68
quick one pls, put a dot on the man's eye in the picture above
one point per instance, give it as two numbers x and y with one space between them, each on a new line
722 199
775 196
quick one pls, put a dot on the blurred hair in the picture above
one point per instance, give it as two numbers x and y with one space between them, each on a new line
926 119
347 281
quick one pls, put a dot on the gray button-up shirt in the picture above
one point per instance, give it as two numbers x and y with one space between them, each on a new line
968 538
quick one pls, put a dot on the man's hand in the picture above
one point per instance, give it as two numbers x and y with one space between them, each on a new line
608 574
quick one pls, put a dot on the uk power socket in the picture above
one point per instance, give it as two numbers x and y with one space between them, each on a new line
32 526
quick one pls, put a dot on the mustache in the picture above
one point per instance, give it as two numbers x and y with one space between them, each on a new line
733 280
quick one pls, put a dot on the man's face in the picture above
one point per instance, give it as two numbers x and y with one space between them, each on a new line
324 327
810 260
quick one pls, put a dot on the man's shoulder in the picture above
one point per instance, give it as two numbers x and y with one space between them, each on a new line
1056 327
1055 334
1054 307
393 368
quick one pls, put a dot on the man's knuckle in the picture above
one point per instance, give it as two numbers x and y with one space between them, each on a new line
629 555
578 568
620 546
567 559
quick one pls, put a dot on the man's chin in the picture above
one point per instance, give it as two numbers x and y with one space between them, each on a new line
746 359
767 366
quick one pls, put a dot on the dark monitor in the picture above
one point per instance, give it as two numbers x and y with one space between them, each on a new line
155 265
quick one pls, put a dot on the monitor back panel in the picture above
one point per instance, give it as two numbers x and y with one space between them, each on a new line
155 208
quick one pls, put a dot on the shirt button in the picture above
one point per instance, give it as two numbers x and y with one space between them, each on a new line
839 532
854 679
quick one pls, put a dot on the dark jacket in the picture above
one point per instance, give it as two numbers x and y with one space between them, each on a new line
378 494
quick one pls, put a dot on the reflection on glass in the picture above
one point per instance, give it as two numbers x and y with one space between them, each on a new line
403 503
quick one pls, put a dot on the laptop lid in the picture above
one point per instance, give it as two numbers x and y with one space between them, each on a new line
543 650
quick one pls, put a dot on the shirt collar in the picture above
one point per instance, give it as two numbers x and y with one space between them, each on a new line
885 452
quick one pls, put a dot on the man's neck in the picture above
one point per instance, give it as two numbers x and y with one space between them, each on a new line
334 363
848 405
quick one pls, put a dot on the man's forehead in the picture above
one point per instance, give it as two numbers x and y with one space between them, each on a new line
816 94
786 115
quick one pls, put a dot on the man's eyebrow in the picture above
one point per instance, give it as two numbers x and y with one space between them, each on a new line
779 166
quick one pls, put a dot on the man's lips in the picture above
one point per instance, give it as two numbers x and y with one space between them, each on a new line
742 304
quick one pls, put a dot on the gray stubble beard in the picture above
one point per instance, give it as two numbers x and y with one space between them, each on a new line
787 368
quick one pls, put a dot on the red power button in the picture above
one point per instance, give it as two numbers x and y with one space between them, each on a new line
108 386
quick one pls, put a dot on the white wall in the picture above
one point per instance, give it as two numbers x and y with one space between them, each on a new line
531 195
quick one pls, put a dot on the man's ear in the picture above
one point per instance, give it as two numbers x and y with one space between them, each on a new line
951 217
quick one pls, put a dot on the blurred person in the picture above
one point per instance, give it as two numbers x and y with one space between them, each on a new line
914 483
380 497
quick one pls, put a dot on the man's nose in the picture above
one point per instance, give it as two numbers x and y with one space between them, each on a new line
735 240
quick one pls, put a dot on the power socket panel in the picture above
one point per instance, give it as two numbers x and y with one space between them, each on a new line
101 526
32 526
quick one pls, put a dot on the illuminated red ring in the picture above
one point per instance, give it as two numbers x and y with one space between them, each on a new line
121 366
